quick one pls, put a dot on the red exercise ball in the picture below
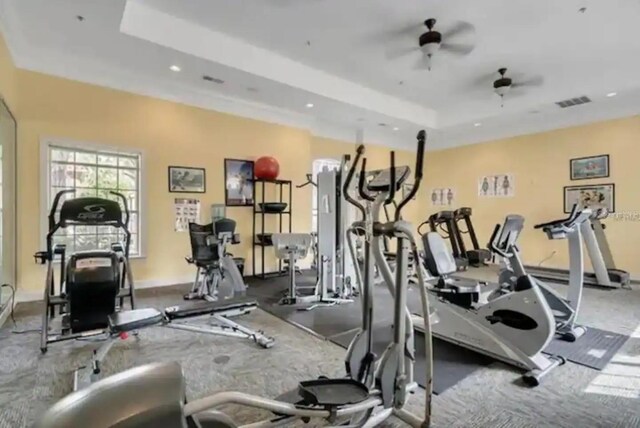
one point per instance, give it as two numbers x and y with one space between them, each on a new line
267 168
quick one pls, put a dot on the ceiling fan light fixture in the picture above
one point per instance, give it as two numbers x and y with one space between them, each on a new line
430 48
502 90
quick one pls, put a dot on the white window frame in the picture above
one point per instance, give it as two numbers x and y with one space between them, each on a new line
45 184
321 162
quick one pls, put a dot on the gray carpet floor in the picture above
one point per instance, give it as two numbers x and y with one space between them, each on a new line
572 396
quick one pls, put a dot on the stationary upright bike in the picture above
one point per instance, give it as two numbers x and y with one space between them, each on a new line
218 275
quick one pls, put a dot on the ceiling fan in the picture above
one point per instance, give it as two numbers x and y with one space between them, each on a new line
505 85
432 41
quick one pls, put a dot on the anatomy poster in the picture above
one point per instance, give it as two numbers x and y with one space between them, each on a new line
186 211
497 186
443 197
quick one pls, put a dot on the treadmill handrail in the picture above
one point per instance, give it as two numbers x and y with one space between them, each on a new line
567 222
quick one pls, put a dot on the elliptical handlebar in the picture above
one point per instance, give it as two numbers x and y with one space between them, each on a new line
347 182
422 136
392 180
125 205
54 206
362 182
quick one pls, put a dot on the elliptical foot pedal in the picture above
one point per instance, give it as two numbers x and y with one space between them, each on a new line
333 392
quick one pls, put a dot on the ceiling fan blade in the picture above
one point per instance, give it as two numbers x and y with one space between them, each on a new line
531 82
395 53
457 29
457 48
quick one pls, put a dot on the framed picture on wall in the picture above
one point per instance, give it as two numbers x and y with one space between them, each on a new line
589 167
591 196
184 179
238 183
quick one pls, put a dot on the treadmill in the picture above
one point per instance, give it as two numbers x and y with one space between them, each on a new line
605 273
476 256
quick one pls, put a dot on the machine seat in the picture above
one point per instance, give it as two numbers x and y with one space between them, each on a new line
121 322
209 308
332 392
459 285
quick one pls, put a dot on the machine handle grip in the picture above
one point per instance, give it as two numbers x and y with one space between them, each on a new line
54 206
422 135
125 205
492 242
361 182
347 182
392 179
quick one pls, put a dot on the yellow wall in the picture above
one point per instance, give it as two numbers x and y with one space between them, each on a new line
168 134
540 164
174 134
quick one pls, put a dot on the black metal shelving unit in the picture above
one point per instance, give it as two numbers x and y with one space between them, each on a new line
259 215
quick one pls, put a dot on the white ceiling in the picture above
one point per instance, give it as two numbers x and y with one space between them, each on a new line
332 53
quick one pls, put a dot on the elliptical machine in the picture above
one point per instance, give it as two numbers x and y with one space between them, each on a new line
373 390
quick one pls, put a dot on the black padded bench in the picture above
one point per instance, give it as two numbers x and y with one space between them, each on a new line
206 308
124 321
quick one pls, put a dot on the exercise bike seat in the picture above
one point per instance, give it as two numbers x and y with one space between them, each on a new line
332 392
124 321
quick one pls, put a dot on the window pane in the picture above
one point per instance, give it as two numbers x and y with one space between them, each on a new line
85 230
130 162
66 240
134 244
82 193
62 155
113 171
107 178
133 223
105 241
86 242
107 160
54 192
85 176
128 179
62 175
132 199
84 157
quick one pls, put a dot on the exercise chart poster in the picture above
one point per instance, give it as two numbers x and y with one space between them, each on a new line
445 196
186 211
497 186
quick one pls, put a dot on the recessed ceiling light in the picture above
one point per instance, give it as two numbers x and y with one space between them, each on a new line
80 18
477 124
395 128
309 105
582 10
612 94
175 68
382 124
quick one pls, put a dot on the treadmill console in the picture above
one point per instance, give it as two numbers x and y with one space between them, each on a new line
381 181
